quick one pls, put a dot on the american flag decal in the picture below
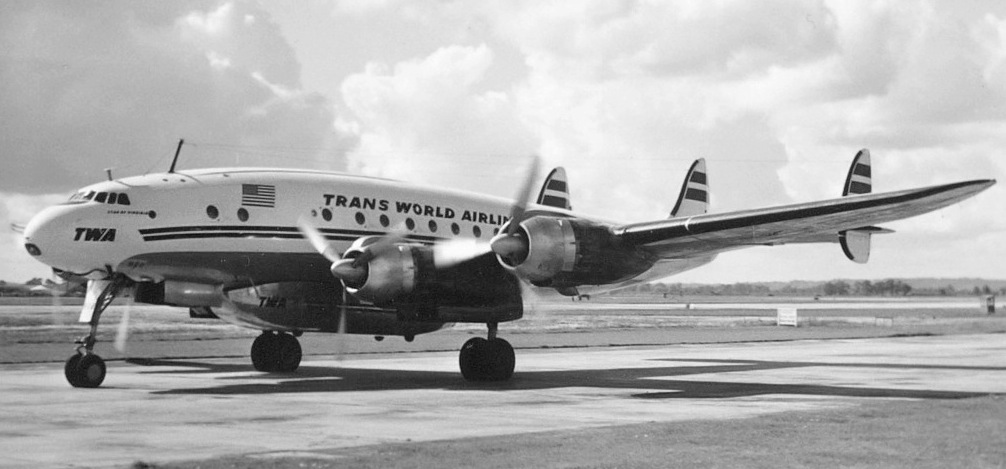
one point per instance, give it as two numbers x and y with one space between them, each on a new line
258 195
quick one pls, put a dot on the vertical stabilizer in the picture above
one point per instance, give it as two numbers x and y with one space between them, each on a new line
856 243
555 190
694 197
860 178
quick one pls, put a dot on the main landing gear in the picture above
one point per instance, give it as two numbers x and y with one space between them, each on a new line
489 359
276 352
85 369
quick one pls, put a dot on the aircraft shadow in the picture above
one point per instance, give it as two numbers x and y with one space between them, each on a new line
664 381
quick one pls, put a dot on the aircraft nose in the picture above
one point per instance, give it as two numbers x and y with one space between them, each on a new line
41 232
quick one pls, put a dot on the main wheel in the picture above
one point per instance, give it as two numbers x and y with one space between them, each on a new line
471 359
289 353
85 371
485 360
265 352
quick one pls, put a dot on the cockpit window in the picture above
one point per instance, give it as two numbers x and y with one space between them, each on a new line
100 197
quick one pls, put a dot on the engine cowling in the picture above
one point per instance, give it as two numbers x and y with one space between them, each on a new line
403 276
567 252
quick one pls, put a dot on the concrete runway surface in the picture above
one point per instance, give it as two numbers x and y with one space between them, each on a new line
188 409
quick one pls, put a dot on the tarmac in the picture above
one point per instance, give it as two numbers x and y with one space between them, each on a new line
184 409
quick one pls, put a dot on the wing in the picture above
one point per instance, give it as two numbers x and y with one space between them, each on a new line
809 222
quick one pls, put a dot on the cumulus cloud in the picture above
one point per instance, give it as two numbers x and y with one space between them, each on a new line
777 96
91 85
114 84
428 120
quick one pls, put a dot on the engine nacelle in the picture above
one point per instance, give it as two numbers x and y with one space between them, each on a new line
390 275
404 277
566 252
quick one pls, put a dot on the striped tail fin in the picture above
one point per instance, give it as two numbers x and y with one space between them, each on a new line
856 243
860 178
555 190
694 197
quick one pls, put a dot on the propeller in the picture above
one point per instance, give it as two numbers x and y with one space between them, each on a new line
343 269
122 334
510 244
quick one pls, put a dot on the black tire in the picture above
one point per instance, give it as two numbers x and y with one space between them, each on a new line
265 352
472 359
90 371
70 370
502 359
288 353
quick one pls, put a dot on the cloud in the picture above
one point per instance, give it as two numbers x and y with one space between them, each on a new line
777 96
92 85
428 120
115 84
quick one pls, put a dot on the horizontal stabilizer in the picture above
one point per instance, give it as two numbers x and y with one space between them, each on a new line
694 197
555 191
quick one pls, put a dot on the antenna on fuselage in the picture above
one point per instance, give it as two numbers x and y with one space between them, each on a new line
177 152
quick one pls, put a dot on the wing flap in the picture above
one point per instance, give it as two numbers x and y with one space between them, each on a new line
678 238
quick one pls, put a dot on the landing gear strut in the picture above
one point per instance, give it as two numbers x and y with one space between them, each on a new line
489 359
85 369
276 352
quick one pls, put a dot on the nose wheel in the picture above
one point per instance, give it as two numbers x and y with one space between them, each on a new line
276 352
490 359
85 369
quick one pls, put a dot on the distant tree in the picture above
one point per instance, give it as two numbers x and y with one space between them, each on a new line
864 288
986 290
836 288
976 291
34 281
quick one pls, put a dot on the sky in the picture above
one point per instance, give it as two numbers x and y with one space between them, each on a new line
777 96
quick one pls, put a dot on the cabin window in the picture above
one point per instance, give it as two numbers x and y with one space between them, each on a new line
101 197
433 226
152 214
477 231
455 228
212 212
123 199
411 225
326 214
112 197
242 214
360 218
385 221
496 231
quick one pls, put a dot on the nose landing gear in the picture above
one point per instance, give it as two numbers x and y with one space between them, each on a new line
85 369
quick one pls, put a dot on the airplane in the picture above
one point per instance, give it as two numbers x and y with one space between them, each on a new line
292 251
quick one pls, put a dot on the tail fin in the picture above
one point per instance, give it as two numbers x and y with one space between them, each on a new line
555 190
856 243
860 178
694 197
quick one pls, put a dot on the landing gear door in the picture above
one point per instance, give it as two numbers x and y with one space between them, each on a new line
94 290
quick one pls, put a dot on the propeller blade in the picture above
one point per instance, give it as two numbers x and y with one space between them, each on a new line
398 234
523 196
340 346
123 332
455 251
318 240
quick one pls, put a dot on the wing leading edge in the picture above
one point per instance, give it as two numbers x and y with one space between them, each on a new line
818 221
